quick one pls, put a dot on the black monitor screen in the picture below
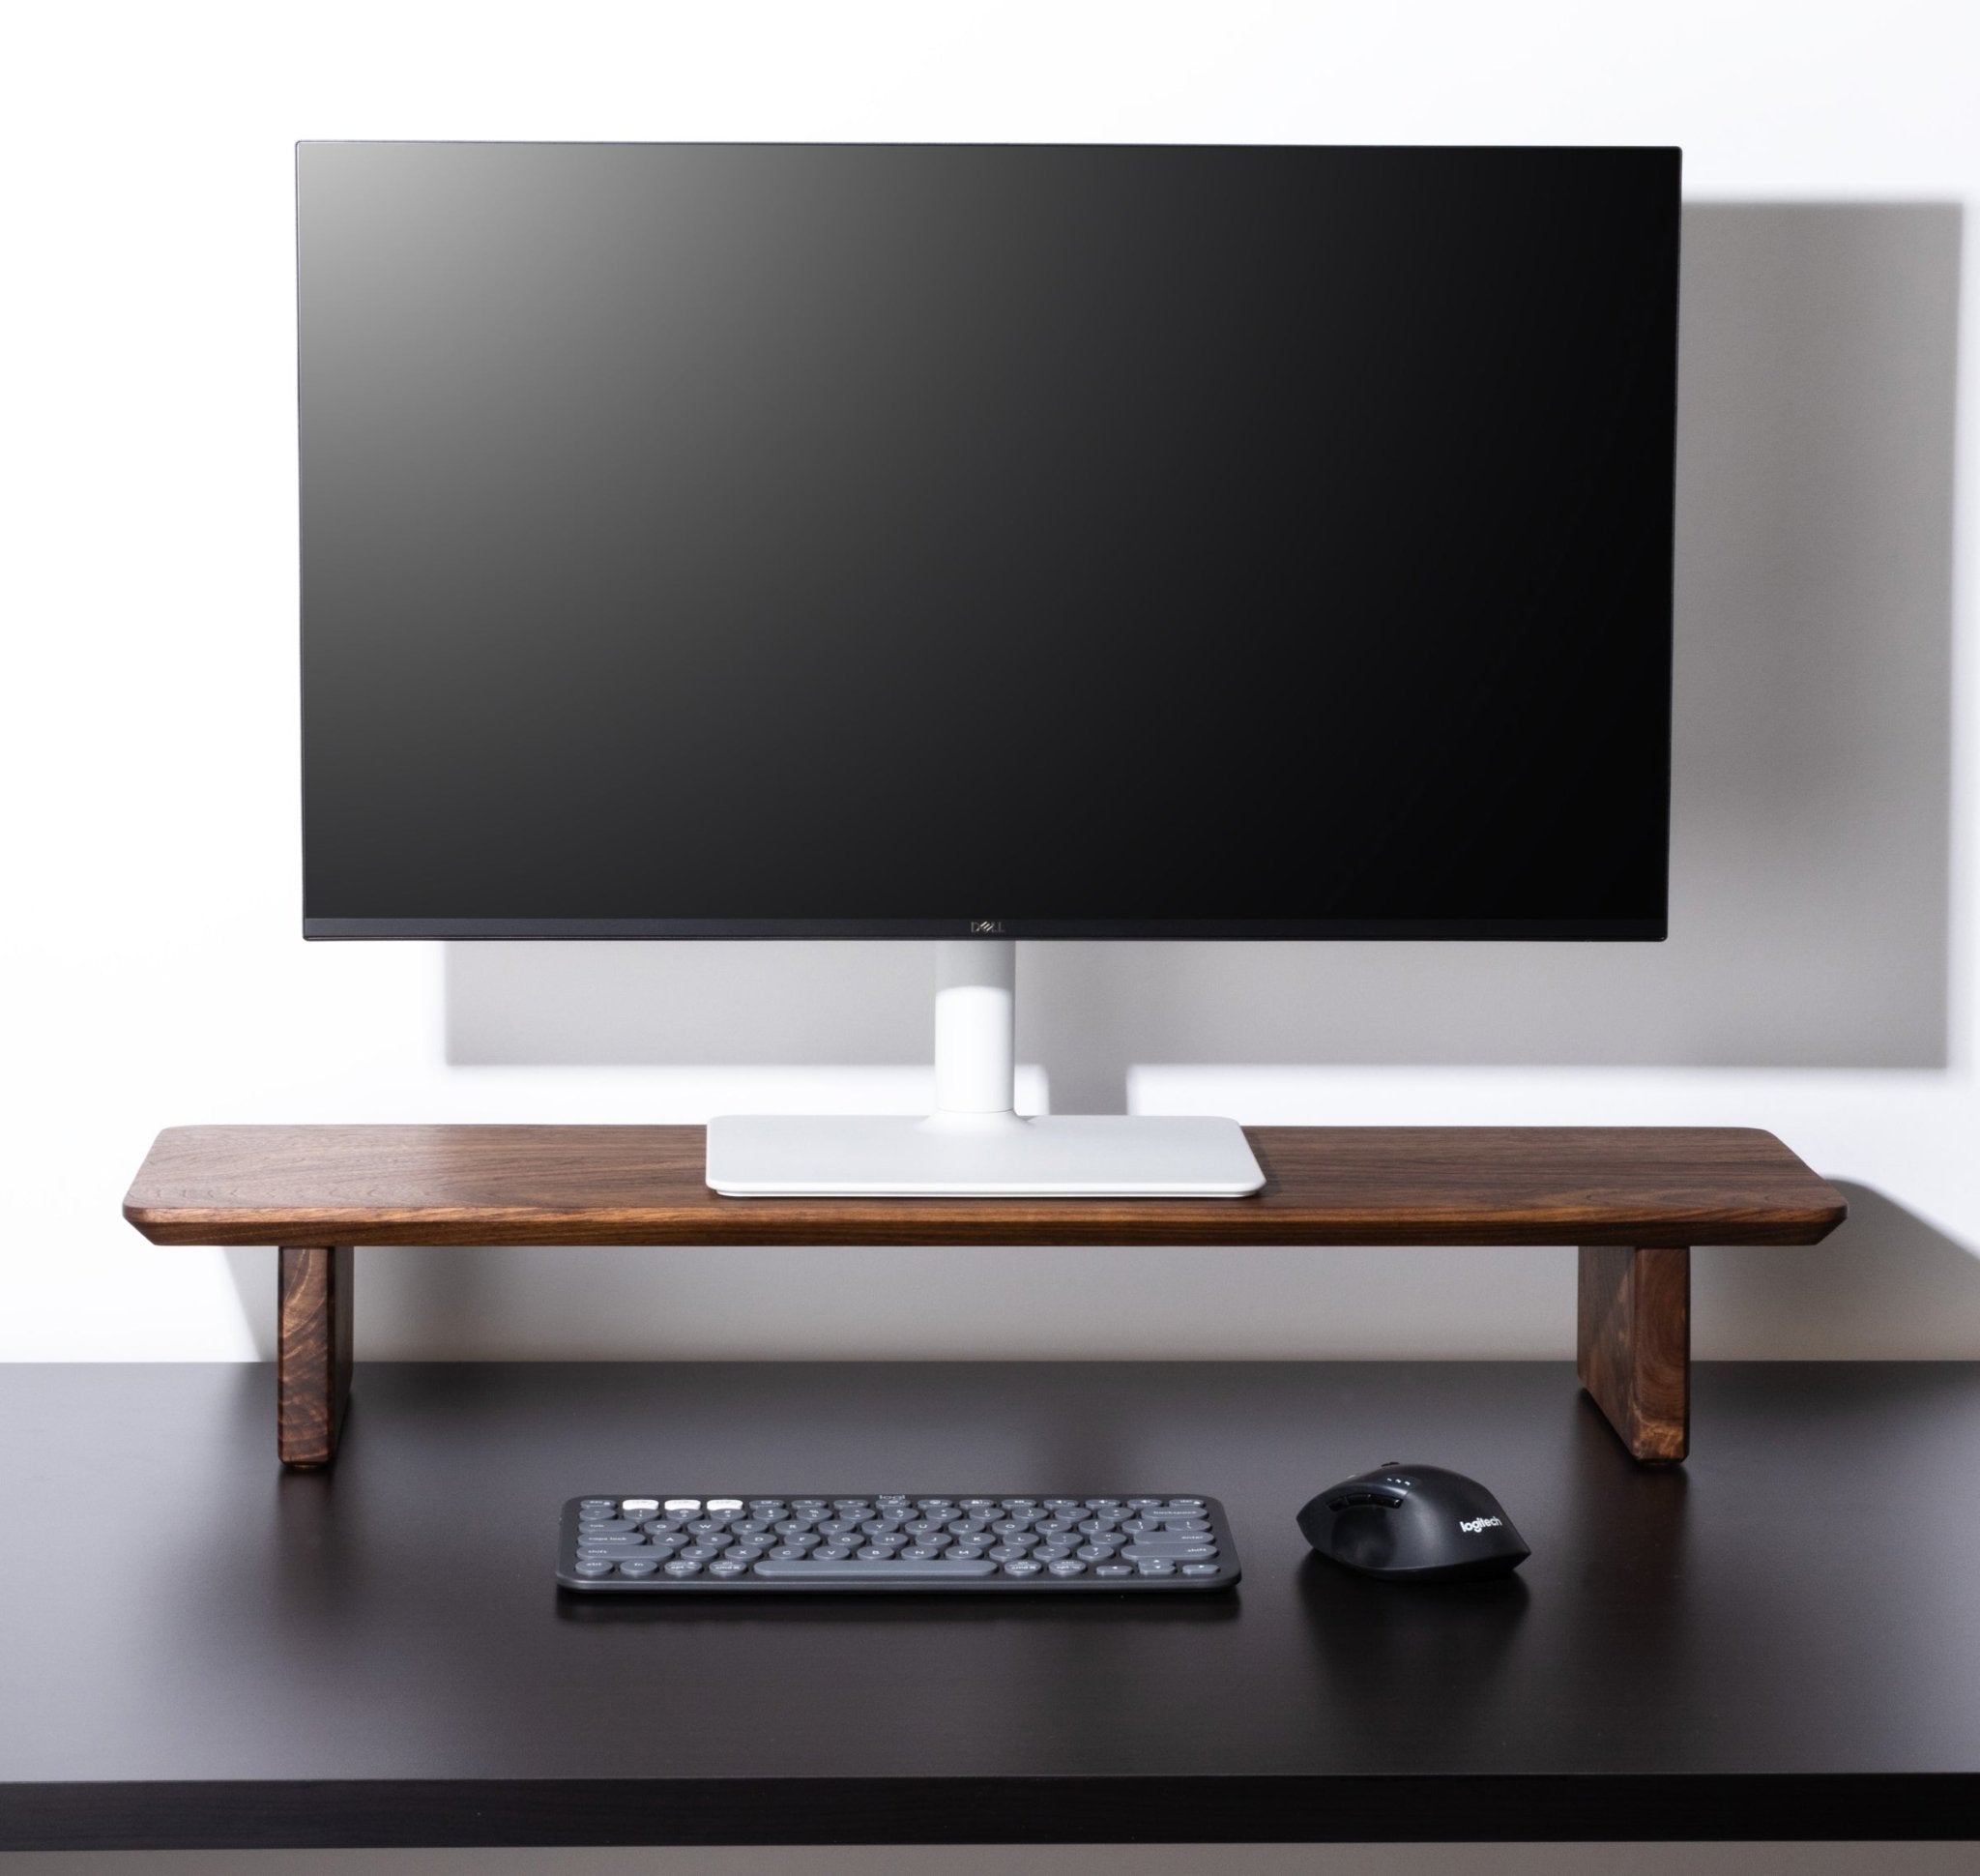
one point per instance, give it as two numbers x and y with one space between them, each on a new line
1113 542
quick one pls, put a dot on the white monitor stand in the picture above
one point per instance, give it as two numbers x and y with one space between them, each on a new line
976 1145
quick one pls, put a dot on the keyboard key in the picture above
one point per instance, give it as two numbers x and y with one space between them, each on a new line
684 1567
639 1507
1067 1566
1155 1567
1113 1569
684 1505
1201 1570
638 1567
1023 1570
856 1572
584 1566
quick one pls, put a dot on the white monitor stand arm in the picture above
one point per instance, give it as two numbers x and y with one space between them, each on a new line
975 1144
975 1035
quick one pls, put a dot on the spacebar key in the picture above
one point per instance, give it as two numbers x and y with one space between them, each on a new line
853 1569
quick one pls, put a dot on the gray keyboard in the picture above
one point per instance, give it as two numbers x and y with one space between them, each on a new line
666 1544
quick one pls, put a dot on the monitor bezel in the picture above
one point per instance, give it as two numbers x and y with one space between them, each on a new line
1593 930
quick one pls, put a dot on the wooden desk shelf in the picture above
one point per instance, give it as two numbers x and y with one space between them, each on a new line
1632 1199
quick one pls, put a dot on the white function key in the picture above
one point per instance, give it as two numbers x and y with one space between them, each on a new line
683 1505
723 1505
646 1505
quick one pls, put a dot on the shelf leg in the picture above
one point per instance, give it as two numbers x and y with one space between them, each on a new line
312 1351
1634 1347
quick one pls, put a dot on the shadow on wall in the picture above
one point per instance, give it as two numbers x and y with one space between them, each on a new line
1810 810
1886 1285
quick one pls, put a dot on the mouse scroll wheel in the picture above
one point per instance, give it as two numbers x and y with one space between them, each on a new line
1388 1501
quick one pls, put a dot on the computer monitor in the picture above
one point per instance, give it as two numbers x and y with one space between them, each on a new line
981 543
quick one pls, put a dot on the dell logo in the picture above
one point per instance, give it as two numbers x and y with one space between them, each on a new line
1477 1524
987 928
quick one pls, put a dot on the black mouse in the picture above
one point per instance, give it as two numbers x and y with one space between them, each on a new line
1413 1524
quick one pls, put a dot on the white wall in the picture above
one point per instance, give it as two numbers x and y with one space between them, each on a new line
1822 979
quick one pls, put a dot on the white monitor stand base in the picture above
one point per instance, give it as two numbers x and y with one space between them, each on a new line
1049 1155
975 1145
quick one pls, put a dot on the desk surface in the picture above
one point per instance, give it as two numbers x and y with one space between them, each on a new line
1781 1639
644 1185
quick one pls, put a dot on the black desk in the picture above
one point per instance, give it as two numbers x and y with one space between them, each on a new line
1780 1640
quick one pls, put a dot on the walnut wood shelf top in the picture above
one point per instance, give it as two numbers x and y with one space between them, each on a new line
1642 1186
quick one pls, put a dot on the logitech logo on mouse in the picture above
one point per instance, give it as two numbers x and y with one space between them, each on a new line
1477 1524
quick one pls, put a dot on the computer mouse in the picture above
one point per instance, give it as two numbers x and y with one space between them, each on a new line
1413 1524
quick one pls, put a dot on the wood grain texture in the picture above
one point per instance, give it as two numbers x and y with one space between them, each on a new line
644 1185
312 1351
1632 1349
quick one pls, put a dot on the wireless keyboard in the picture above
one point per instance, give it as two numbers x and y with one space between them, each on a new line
667 1544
